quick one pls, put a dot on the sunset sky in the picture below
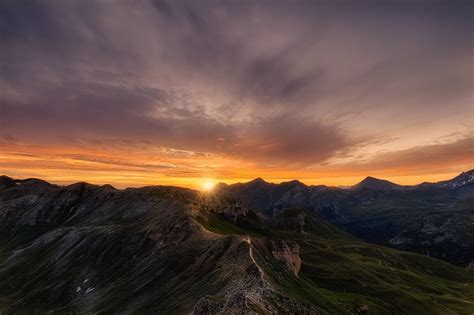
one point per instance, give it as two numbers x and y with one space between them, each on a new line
135 93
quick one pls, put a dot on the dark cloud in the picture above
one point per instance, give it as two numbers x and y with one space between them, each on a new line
164 117
291 140
441 155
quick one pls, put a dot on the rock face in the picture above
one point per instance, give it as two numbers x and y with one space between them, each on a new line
434 219
287 253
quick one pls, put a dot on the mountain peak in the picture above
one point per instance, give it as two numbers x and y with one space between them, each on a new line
293 183
373 183
258 180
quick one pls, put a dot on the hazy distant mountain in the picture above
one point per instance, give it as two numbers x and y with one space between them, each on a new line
434 219
167 250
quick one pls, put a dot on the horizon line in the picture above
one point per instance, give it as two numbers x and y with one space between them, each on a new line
67 183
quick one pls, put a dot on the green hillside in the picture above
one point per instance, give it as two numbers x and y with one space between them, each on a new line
342 274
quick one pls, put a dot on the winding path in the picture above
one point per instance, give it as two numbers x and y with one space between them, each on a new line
260 270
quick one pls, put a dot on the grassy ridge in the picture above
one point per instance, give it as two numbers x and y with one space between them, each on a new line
340 274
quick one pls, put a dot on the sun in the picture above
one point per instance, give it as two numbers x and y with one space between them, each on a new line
208 185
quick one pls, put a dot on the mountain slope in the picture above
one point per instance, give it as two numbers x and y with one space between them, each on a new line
336 273
461 180
167 250
84 249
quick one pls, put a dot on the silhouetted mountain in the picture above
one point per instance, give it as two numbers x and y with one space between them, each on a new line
432 219
376 184
85 249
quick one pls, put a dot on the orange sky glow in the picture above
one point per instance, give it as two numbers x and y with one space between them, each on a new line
163 166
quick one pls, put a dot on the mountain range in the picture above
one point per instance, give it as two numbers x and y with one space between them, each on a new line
435 219
252 248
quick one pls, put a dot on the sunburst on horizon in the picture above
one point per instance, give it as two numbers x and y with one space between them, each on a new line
208 185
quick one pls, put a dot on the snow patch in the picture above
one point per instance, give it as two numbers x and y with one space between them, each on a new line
89 290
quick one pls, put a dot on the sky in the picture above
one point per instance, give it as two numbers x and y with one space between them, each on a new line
152 92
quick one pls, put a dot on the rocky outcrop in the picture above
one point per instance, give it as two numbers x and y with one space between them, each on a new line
295 221
230 208
286 253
